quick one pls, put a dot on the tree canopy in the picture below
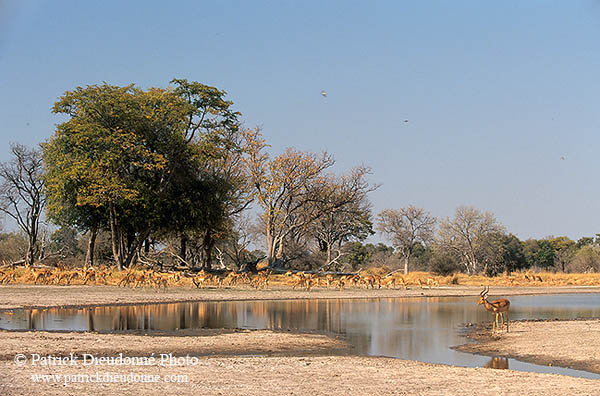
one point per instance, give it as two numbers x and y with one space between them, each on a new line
133 160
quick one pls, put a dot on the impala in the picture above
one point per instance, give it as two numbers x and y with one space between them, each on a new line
201 278
232 278
432 283
371 280
498 307
389 282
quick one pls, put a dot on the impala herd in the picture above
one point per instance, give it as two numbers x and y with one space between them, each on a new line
152 278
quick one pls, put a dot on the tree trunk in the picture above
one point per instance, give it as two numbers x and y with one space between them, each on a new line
89 255
270 246
279 254
328 252
30 254
41 250
207 244
33 237
406 259
134 248
183 246
117 243
130 240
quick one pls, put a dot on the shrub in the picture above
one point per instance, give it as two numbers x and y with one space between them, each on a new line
443 263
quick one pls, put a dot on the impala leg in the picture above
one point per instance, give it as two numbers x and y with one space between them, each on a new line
497 317
500 320
507 321
498 323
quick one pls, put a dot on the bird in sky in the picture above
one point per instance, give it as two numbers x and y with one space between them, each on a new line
562 157
324 94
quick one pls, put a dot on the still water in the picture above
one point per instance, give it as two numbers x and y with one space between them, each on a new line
422 329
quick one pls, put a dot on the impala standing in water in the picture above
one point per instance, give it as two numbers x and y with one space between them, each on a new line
498 307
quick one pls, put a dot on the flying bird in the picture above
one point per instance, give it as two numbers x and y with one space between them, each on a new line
405 120
324 94
562 157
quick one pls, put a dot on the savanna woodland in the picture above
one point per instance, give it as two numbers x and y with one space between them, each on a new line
170 178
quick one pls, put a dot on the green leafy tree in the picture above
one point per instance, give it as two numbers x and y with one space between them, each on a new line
585 241
214 127
538 253
141 162
115 159
357 255
503 253
443 261
564 250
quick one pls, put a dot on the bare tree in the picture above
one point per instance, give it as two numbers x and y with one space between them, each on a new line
284 187
294 190
235 246
406 228
586 260
468 234
22 193
351 220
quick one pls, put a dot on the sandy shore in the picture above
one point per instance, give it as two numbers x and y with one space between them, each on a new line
573 344
226 362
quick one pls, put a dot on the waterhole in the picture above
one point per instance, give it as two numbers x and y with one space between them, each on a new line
422 329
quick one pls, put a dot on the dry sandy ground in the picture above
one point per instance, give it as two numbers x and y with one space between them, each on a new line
262 362
265 363
30 296
574 344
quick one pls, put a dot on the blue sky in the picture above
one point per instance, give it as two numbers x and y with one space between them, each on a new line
494 92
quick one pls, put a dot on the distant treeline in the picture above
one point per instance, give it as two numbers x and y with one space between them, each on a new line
166 177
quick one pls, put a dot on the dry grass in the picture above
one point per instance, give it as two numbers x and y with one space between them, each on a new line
415 279
532 279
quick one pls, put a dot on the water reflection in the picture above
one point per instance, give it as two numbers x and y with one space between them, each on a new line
497 362
410 328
